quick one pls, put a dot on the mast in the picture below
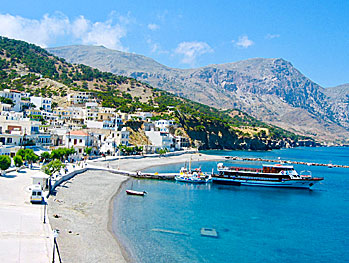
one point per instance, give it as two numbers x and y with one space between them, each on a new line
190 164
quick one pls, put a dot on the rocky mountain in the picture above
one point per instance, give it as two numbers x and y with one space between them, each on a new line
339 101
27 67
271 90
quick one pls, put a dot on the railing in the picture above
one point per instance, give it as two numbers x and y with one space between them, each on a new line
247 169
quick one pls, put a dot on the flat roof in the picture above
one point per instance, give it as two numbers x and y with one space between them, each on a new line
40 175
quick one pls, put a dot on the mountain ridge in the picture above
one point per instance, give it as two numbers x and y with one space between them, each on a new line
29 68
270 89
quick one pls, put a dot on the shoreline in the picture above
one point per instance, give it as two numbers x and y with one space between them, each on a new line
66 241
124 251
174 160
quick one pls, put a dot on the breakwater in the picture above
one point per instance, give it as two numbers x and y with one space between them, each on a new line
253 159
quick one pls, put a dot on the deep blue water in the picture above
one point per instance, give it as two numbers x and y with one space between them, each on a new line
254 224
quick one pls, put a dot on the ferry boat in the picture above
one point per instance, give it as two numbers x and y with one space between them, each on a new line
277 175
192 176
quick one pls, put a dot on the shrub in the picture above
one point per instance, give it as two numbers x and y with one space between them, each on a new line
5 162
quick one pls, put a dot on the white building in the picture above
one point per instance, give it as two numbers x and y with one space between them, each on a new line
78 139
42 103
161 140
9 150
122 137
90 114
164 125
5 107
15 96
94 124
22 131
115 139
141 115
81 98
181 142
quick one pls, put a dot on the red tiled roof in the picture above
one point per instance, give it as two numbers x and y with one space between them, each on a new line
16 91
80 133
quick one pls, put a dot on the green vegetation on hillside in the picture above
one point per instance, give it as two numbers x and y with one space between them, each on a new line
200 121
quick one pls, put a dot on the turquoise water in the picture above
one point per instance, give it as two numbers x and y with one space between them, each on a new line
254 224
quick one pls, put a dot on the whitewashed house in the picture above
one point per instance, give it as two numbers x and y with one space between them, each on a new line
15 96
161 140
164 125
42 103
78 139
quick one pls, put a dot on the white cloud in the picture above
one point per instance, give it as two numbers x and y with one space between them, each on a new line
191 50
243 42
40 32
156 47
47 30
153 27
99 33
80 26
272 36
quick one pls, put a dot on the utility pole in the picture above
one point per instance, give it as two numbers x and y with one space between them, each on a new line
45 212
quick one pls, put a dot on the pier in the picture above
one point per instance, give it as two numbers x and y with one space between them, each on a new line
284 161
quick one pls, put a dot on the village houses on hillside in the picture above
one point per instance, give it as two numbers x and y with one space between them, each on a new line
27 121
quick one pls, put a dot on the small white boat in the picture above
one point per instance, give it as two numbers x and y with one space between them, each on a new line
192 176
132 192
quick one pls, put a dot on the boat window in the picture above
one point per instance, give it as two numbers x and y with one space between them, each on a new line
34 193
39 193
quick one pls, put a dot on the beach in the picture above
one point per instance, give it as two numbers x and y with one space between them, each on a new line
82 209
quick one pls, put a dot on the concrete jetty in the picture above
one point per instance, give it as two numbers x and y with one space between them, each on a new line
284 161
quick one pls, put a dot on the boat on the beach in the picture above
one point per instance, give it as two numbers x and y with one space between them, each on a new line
132 192
192 176
275 175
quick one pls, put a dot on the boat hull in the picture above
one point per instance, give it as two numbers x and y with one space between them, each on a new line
305 184
190 180
132 192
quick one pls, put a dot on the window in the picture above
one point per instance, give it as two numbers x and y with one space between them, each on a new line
39 194
80 140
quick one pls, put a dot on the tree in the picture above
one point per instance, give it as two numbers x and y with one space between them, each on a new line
21 152
52 167
45 156
62 153
88 150
18 161
5 162
69 151
161 151
6 100
57 154
30 156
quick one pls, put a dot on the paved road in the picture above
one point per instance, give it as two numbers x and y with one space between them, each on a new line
23 236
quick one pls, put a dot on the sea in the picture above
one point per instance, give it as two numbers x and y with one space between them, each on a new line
253 224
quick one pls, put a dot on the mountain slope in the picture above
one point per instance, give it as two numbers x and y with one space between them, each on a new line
339 100
29 68
271 90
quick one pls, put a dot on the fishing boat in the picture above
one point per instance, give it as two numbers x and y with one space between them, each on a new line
132 192
278 175
192 176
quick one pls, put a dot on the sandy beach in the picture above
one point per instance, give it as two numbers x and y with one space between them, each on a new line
82 209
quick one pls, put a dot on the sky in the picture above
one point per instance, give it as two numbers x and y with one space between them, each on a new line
312 35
